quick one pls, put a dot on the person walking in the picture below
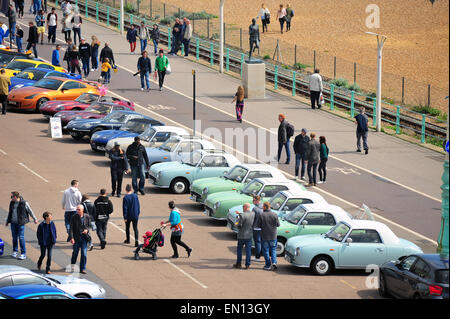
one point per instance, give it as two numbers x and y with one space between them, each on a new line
281 15
177 230
85 55
5 82
144 67
46 236
283 138
67 27
70 46
40 24
33 38
176 31
269 222
19 37
95 44
187 37
11 14
103 208
244 235
107 53
239 99
155 36
89 208
52 24
80 237
44 5
161 64
138 159
16 4
313 159
131 210
315 88
66 8
36 6
143 36
71 198
264 14
258 210
289 16
76 25
362 130
301 147
56 56
131 38
74 58
324 150
106 71
21 5
19 215
119 165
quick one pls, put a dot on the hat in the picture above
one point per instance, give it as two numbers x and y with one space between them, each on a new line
304 130
83 38
116 144
148 234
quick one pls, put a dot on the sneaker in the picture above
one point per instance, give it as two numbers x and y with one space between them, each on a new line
174 256
22 257
142 89
142 192
83 272
126 241
91 247
118 195
274 266
14 254
320 182
247 266
160 89
359 151
256 259
367 151
303 178
189 251
92 70
267 268
296 178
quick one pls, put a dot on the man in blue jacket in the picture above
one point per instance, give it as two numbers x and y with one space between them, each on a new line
131 210
56 56
46 235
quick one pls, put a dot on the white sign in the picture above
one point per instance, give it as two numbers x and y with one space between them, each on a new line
55 127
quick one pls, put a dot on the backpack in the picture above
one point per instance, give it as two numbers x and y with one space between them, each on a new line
289 130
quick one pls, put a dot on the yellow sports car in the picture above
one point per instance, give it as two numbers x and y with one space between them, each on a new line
18 65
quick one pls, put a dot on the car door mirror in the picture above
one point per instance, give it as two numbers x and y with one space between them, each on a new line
349 241
304 223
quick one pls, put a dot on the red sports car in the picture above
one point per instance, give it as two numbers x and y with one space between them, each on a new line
96 110
50 108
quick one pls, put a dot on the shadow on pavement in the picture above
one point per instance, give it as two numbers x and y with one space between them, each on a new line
90 152
40 120
101 163
209 222
369 293
228 236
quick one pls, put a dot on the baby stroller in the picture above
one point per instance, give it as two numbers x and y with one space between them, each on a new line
152 240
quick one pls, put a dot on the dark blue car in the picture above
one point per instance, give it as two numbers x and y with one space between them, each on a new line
113 121
132 128
29 76
33 292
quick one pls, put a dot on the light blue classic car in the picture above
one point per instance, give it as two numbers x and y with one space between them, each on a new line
178 176
351 244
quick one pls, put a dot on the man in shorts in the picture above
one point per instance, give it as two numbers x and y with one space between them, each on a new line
40 24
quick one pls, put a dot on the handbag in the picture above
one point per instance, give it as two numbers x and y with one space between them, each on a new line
168 69
321 99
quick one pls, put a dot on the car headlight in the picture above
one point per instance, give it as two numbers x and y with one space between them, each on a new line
217 205
205 191
30 97
297 251
159 175
94 136
18 86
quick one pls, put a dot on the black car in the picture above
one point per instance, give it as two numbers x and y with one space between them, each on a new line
422 276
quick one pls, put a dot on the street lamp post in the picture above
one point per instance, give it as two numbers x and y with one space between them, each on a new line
222 2
121 16
193 99
380 42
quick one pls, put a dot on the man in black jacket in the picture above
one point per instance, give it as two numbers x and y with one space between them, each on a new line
85 54
144 66
33 38
283 138
136 155
79 237
301 146
103 208
119 165
107 53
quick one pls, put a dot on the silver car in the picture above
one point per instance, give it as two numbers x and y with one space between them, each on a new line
81 288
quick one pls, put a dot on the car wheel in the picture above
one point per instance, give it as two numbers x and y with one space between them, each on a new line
179 186
83 296
382 287
41 101
77 136
281 246
321 265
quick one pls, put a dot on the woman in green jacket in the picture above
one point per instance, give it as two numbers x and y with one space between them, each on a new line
161 64
323 159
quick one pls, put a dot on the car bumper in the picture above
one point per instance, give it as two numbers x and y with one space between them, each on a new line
232 226
20 105
290 258
210 213
196 197
98 146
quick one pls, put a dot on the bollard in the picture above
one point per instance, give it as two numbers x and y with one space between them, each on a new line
352 105
228 60
422 137
107 16
397 121
242 62
275 80
197 49
131 19
374 117
294 82
332 97
211 54
96 12
86 7
182 49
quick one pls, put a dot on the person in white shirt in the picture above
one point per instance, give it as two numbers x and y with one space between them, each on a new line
315 88
52 22
281 15
264 14
71 199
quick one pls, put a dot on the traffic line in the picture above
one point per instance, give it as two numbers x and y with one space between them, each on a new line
346 283
33 172
3 152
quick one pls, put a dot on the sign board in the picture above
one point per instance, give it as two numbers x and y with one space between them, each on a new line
55 127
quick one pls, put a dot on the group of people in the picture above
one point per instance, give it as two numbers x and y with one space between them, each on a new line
181 36
284 15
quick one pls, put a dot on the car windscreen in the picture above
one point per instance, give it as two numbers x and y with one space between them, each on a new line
338 232
237 174
34 75
87 98
5 58
170 145
252 188
192 159
116 117
19 65
295 216
98 108
277 201
442 276
49 84
147 134
135 126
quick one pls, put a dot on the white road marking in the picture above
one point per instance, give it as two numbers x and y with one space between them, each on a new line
185 273
161 107
344 170
33 172
3 152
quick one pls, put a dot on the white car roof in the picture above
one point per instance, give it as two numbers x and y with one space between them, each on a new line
172 129
386 234
4 269
206 144
335 210
264 167
231 159
316 198
279 181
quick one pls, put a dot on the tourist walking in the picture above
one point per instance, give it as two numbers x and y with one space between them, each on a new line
52 24
239 99
281 15
264 14
313 159
131 210
44 5
85 55
143 36
80 237
40 24
138 159
56 57
362 130
19 37
46 236
33 38
257 209
89 208
11 14
70 46
144 67
187 36
315 88
36 6
244 235
21 5
131 38
289 16
155 36
66 8
106 71
95 44
71 198
74 58
107 53
161 65
67 27
103 208
5 82
177 230
19 215
269 222
285 131
324 150
119 165
76 25
301 147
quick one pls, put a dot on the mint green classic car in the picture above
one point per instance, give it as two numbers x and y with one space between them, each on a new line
202 163
236 179
218 204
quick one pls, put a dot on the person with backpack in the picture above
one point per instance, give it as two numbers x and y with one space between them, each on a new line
177 230
301 146
239 99
289 16
46 236
362 130
285 132
264 14
281 15
33 38
324 150
313 159
103 208
71 198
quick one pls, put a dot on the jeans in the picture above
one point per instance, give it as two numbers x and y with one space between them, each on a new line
12 31
19 44
186 46
176 240
30 45
80 244
85 62
18 235
300 158
36 7
269 248
264 24
102 225
67 34
161 75
362 135
257 240
138 171
288 151
248 251
315 95
52 33
323 169
75 32
116 181
282 23
106 76
94 59
67 217
145 76
312 173
143 45
155 44
135 228
49 250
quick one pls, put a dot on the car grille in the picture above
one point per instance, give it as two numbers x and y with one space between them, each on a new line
197 196
209 210
291 256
